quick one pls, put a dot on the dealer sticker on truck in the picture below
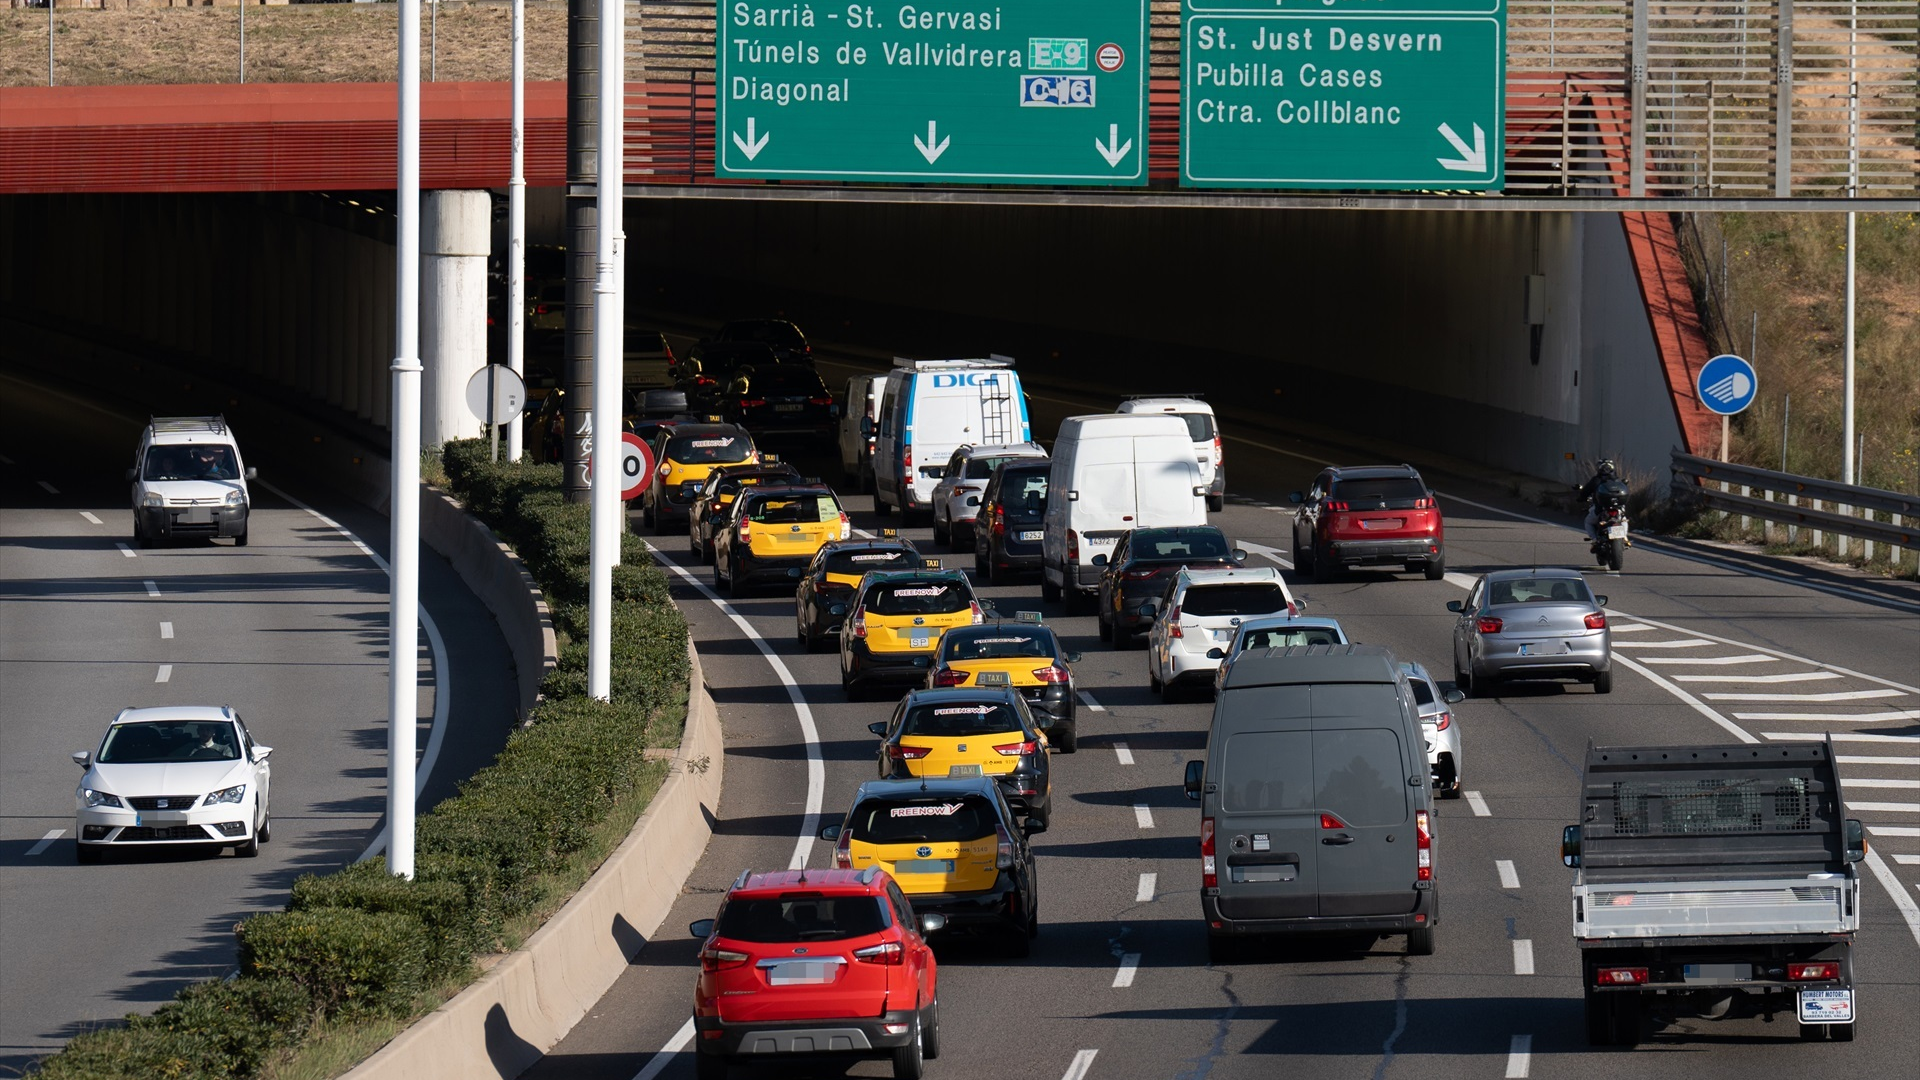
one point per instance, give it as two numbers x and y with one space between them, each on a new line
1826 1006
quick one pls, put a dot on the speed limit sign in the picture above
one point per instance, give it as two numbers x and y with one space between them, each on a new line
636 464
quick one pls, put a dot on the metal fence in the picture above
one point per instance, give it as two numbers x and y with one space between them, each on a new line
1734 98
1819 508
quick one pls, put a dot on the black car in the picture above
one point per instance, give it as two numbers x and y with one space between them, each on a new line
1006 536
935 727
789 345
783 400
1141 564
716 496
828 583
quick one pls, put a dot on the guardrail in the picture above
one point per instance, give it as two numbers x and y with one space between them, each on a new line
1844 510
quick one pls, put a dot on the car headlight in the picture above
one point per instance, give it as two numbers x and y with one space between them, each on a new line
227 795
153 498
234 497
89 797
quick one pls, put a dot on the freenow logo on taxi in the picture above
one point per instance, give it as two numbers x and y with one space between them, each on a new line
972 378
942 810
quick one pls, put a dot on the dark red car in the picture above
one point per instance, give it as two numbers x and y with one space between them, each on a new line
1374 515
816 962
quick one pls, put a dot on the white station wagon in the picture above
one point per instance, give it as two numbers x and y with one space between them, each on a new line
170 776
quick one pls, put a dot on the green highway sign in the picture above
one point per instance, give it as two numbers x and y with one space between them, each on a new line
1358 94
1042 92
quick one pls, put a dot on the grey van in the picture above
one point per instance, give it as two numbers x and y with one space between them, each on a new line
1316 812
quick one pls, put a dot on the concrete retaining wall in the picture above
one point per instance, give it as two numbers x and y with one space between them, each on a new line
496 575
501 1025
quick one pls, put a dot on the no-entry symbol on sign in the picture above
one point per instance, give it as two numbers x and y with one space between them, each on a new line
1110 57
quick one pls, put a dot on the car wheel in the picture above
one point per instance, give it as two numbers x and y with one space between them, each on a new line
880 507
1629 1014
909 1061
1599 1019
1302 557
941 535
265 831
1216 503
1122 637
1219 949
646 512
1048 590
930 1033
1436 568
240 538
1462 682
1069 739
1321 571
1100 621
694 547
735 589
139 534
88 854
659 524
248 850
1842 1032
1153 679
709 1067
1603 682
1019 943
1420 941
1077 601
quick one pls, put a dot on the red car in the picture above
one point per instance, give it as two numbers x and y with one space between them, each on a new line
816 962
1369 516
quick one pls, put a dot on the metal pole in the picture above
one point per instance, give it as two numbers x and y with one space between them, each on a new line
604 517
1786 418
49 42
243 39
403 627
1637 122
433 45
583 172
517 220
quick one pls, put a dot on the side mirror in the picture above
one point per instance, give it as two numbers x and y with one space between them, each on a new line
83 758
1196 773
701 928
1073 658
830 834
253 473
130 474
1570 845
987 604
261 753
1296 498
1453 697
878 727
973 500
1601 600
1215 654
1032 827
796 573
932 923
1099 560
1149 610
1456 605
837 610
1239 555
1856 840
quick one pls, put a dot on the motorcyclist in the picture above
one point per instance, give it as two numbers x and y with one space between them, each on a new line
742 381
1605 472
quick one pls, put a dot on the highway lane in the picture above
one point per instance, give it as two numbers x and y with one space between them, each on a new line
1502 995
290 630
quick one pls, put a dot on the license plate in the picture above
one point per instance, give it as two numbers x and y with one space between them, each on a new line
924 866
794 538
198 515
1716 973
963 770
1032 536
1616 532
1826 1006
1382 523
800 972
786 408
1223 635
995 678
917 641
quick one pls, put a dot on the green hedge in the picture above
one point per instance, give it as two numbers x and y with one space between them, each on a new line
359 943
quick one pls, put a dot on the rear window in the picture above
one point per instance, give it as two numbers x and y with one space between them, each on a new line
859 562
803 917
958 719
924 820
918 598
1000 645
1268 771
1284 637
1250 599
794 510
980 468
788 380
1422 691
1382 493
1178 544
1199 425
709 449
1352 773
1017 488
1539 590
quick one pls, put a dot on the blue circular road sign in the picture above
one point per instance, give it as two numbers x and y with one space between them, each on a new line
1726 384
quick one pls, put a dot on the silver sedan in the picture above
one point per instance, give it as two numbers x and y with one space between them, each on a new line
1537 623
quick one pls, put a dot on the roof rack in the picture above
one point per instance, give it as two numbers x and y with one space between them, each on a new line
993 360
182 424
1195 394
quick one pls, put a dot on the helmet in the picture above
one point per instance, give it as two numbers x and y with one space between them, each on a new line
1607 467
692 365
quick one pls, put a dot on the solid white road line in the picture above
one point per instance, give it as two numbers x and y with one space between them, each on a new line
1892 830
166 631
51 490
1125 755
1716 661
1697 705
127 551
1789 677
1837 695
1882 807
91 518
1861 675
1142 816
1881 784
1843 736
1852 718
1091 704
1479 804
1631 628
1145 893
1519 1056
153 588
165 674
1907 860
46 841
1901 898
1129 963
1082 1061
1682 643
1523 956
667 1053
1509 877
1867 760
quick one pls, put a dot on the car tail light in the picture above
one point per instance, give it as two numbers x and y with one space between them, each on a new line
979 616
819 401
1490 625
1625 976
1219 455
746 532
1209 877
843 851
1423 844
712 959
1018 749
1597 621
887 952
1052 673
752 403
1337 506
1142 575
1173 623
1825 969
846 526
908 753
1443 721
539 309
1423 504
1073 546
859 623
906 462
947 676
999 521
1003 850
1328 821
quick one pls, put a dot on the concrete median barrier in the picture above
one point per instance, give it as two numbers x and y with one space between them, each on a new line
496 575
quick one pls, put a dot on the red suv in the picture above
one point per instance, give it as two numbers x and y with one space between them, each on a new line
1368 516
816 962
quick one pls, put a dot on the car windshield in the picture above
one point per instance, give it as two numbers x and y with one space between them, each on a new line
980 468
923 820
199 461
960 719
802 917
1384 492
1174 545
1282 637
1539 591
1248 599
709 449
918 598
998 645
793 509
169 741
859 562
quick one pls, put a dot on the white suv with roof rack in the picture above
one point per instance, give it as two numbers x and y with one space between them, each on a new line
189 481
1205 429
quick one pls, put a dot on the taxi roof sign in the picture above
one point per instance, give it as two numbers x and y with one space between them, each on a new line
1027 617
889 534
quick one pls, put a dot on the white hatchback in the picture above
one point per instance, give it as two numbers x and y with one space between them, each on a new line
1441 729
956 498
173 776
1198 617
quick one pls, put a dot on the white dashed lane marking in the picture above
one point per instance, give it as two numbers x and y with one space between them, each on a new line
1479 804
1854 718
1129 964
1838 695
166 631
1892 830
153 588
1681 643
1869 760
1523 956
51 490
46 842
1519 1056
1145 893
1082 1061
1125 755
165 674
91 518
127 551
1509 877
1882 807
1091 704
1717 661
1838 736
1142 815
1908 860
1789 677
1882 783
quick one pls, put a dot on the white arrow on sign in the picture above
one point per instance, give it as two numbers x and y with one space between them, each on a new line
751 146
1113 151
930 149
1472 159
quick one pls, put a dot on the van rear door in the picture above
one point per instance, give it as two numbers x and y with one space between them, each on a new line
1164 476
1361 769
1266 827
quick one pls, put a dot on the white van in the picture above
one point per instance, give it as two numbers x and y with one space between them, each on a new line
188 481
932 407
859 421
1112 474
1202 427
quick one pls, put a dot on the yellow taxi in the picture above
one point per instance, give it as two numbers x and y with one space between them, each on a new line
953 846
961 732
686 454
830 580
714 504
1018 653
894 625
773 530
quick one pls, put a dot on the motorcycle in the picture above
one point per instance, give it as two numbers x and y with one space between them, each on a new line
1610 525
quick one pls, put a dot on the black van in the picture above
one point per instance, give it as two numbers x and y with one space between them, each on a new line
1316 807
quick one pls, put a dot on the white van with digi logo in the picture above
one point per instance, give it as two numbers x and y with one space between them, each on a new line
1112 474
931 408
